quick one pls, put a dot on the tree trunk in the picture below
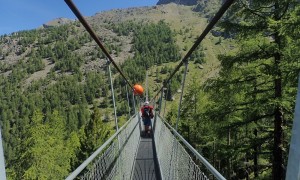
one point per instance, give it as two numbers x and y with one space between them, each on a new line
255 156
278 169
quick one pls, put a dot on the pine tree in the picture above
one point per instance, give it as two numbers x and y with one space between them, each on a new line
45 154
95 134
255 92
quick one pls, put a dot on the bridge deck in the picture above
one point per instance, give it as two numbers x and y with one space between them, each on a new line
145 164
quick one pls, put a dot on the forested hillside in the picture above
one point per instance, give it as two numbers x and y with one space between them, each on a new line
55 96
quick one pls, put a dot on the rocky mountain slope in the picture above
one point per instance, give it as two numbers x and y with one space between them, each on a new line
186 24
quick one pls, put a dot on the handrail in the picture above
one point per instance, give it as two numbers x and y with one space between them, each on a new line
96 153
194 151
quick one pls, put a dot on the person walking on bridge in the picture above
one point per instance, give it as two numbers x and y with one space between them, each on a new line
147 115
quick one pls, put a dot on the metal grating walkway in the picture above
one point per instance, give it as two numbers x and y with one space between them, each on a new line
145 163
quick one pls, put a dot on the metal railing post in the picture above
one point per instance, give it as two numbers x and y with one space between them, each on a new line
138 114
128 100
168 89
113 96
160 101
133 101
159 109
147 95
2 162
114 102
182 87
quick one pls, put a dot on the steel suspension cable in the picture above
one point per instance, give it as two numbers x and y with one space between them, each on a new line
95 37
215 19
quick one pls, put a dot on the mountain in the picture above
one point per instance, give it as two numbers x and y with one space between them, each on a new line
19 45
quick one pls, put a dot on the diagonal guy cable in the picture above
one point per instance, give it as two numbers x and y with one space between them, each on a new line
216 18
95 37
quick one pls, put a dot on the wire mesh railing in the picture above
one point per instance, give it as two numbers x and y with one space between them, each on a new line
175 162
115 158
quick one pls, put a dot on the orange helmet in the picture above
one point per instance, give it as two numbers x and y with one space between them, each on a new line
138 89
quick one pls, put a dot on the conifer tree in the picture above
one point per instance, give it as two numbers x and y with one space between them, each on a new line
255 92
45 154
95 134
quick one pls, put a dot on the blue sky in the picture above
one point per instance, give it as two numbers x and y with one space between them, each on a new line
16 15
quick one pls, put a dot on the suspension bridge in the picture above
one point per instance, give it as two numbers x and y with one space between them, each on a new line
164 154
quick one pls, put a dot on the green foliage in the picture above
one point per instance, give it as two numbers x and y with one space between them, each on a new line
122 108
43 51
95 134
124 29
198 56
91 88
34 64
28 37
59 33
207 8
46 151
173 86
153 44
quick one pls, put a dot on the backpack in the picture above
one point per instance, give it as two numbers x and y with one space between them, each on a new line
147 112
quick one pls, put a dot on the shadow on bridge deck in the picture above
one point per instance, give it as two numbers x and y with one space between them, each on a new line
146 167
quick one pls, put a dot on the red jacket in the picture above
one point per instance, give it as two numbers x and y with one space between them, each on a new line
150 110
